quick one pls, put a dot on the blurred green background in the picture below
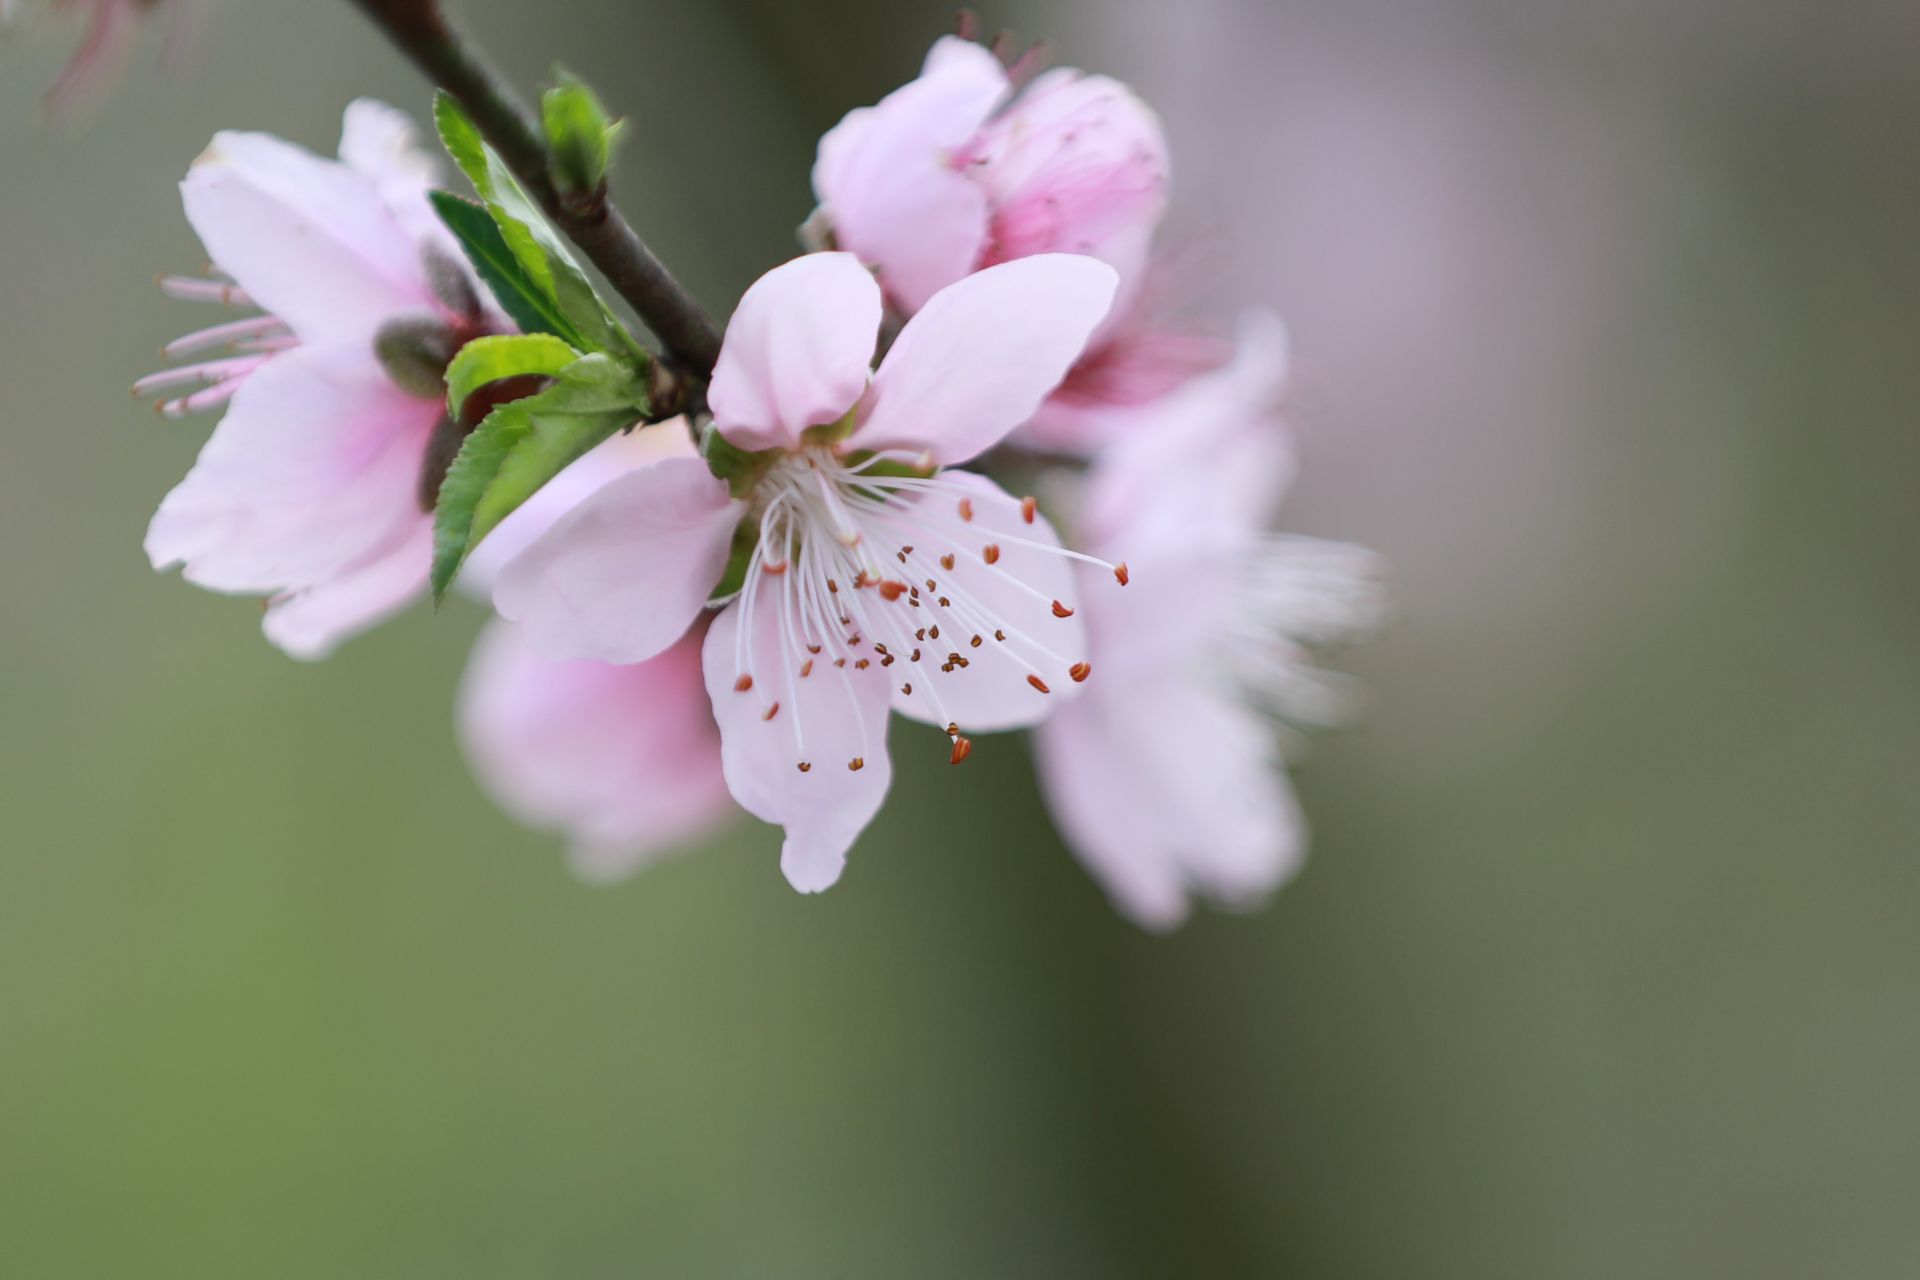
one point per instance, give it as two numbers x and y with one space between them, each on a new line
1605 961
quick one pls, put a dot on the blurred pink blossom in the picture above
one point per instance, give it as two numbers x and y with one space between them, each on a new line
830 627
1167 779
112 27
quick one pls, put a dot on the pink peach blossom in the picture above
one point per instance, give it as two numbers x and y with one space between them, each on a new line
311 489
952 172
112 27
876 580
1167 779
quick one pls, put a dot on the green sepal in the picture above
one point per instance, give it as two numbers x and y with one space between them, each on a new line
580 137
509 355
541 251
523 444
739 468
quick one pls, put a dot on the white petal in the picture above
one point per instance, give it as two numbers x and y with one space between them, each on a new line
1014 596
621 576
623 758
982 354
309 624
384 143
798 351
315 465
310 239
826 720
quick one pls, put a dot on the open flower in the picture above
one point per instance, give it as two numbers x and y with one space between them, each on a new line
944 176
1168 778
876 580
315 489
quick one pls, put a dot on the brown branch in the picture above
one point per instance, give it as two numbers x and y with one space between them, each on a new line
421 31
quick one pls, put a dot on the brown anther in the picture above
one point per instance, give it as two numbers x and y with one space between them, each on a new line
953 730
886 660
933 633
991 553
901 556
1120 572
966 508
813 648
944 602
1029 506
1080 671
743 684
833 586
1061 611
840 662
914 656
962 748
946 666
921 634
907 688
879 648
891 590
977 641
932 585
906 551
953 657
946 561
1039 684
861 665
804 766
857 763
771 712
773 570
1000 635
806 668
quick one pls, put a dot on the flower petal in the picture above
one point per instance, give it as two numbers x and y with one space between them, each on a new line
310 239
889 180
311 623
624 759
315 466
1015 596
621 576
798 351
1163 790
981 356
789 742
384 144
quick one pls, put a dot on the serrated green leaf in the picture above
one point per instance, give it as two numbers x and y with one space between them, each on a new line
510 355
519 295
541 251
523 444
579 135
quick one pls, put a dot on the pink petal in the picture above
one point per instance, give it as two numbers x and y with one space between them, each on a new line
621 576
624 759
384 144
309 239
1015 595
890 181
619 455
826 719
982 354
315 466
310 623
798 351
1164 790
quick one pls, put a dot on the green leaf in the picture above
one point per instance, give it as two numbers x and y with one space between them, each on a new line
511 355
519 296
523 444
541 251
579 135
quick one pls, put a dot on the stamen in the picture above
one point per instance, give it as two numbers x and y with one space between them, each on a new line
1080 671
1029 507
991 553
771 712
1120 572
1061 611
1039 684
962 748
744 683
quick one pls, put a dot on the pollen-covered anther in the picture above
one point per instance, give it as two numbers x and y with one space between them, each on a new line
865 579
933 633
1029 507
773 570
991 553
945 603
857 763
1000 636
946 561
1039 684
840 662
962 748
806 668
891 590
1061 611
966 508
914 656
744 683
833 586
977 641
1120 572
907 688
771 712
1080 671
861 664
953 729
805 767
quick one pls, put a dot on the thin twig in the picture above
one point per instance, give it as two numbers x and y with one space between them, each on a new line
421 31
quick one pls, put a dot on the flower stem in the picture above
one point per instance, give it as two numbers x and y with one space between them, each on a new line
451 61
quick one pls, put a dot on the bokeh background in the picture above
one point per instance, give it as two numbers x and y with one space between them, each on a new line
1605 961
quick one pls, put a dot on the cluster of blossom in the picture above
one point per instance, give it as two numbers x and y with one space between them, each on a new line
677 639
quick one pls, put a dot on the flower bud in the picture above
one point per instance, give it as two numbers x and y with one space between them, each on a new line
415 351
